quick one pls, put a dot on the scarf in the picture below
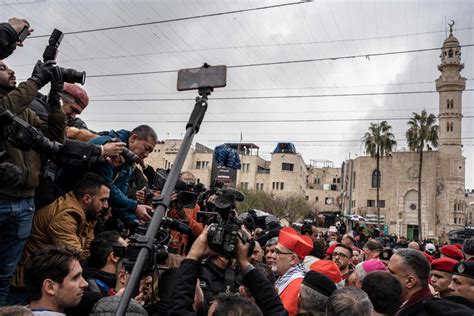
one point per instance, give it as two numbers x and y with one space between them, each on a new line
295 272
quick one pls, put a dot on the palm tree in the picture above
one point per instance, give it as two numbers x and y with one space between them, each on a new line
422 131
379 141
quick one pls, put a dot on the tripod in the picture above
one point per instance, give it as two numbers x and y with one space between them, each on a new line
146 242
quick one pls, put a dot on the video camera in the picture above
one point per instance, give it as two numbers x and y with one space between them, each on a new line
26 136
159 251
51 52
224 228
186 191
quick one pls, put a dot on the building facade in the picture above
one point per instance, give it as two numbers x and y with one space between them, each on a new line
442 203
284 174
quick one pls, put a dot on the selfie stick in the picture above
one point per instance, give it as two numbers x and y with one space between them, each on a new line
146 242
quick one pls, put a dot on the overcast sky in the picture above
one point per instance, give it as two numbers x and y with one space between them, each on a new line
123 37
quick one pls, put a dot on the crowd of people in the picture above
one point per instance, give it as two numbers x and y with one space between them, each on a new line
73 201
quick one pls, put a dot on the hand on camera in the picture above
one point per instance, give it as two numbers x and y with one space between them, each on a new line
243 249
57 85
116 161
200 248
113 149
140 195
143 212
43 72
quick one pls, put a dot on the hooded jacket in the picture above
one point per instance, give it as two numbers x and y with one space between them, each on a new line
17 101
122 205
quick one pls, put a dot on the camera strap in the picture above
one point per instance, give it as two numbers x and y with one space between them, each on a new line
229 278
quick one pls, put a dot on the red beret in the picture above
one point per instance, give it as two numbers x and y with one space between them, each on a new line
299 244
331 249
452 251
459 246
443 264
428 257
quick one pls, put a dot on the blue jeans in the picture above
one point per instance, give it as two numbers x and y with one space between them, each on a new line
16 217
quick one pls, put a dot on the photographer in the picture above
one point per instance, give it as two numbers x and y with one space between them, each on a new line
17 202
179 242
140 141
9 35
261 289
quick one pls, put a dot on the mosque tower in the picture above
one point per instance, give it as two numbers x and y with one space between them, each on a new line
450 208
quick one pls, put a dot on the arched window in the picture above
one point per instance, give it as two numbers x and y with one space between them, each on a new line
450 53
376 180
455 207
451 126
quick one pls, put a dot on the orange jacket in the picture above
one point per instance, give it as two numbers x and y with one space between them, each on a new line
179 241
289 296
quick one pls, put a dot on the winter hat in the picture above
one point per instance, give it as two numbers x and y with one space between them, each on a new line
107 306
319 282
80 95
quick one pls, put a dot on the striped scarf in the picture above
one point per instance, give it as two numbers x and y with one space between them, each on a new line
295 272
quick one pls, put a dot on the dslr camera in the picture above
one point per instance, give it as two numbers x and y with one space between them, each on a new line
51 52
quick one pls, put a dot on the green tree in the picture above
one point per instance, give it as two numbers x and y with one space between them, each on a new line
379 142
289 207
422 131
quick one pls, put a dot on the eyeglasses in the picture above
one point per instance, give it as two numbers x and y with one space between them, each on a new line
339 254
278 252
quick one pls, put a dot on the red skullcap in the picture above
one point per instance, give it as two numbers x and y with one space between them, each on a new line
328 268
443 264
299 244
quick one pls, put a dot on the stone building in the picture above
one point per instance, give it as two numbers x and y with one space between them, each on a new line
284 174
442 204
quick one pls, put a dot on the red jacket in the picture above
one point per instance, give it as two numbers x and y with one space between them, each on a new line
289 296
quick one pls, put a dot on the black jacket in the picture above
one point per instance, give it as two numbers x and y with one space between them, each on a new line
264 293
8 38
213 281
434 306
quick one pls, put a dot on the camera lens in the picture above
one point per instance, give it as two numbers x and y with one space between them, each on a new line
73 76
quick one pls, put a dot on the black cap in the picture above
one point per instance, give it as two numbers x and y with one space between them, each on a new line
464 268
319 282
386 254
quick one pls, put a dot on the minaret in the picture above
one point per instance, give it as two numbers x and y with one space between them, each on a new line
450 86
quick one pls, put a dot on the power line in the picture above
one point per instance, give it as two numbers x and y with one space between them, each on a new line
254 46
275 121
174 20
300 96
296 61
279 88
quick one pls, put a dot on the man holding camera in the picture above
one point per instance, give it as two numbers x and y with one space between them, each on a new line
12 35
17 202
140 141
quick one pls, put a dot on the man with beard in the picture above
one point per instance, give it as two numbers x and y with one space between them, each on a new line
68 221
18 185
342 256
290 252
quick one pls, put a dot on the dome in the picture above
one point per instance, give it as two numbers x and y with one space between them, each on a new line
451 41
